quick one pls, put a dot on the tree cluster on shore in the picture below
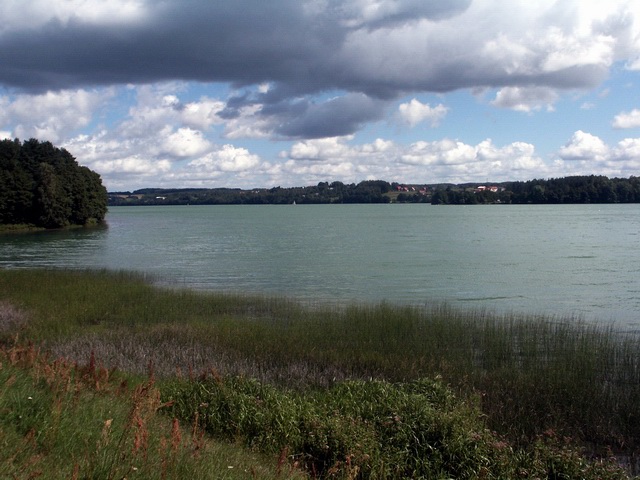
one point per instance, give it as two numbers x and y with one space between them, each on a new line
44 186
574 189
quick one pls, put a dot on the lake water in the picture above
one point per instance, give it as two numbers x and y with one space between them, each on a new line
561 260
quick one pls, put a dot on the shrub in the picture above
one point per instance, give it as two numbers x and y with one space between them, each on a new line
371 429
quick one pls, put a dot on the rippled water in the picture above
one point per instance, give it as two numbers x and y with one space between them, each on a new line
562 259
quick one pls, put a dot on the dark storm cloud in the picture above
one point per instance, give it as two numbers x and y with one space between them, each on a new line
336 117
387 14
370 51
239 41
190 40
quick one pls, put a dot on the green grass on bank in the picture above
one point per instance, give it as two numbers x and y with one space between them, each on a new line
58 420
533 381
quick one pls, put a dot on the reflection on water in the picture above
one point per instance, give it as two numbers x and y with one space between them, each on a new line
73 248
565 259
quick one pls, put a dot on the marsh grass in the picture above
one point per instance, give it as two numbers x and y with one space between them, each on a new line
529 375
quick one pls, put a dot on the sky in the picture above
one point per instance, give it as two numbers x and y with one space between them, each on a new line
254 93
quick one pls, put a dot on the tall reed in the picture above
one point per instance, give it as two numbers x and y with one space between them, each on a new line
532 374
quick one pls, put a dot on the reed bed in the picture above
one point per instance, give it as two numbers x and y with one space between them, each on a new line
529 375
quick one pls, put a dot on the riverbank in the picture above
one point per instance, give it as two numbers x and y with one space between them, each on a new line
30 228
344 382
19 228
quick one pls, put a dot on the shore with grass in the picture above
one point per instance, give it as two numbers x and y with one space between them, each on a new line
359 391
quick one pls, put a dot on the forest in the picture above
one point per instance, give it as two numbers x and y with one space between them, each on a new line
369 191
43 186
574 189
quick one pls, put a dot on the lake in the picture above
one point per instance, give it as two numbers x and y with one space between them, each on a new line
580 260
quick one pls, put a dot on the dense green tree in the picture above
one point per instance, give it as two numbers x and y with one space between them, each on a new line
574 189
52 204
44 186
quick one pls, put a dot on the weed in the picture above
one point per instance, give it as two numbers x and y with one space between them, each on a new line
58 422
526 374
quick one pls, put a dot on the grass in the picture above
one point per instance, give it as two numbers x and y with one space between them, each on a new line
60 420
18 228
525 383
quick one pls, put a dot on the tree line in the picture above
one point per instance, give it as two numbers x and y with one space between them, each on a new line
573 189
43 186
369 191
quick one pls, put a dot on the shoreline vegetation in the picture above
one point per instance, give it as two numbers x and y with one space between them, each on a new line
104 375
31 228
44 187
567 190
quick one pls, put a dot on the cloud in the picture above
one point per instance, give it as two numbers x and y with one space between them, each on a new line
442 152
443 160
202 114
336 117
584 146
321 149
626 155
125 164
525 99
135 165
52 115
226 159
585 153
380 48
313 73
158 133
516 160
185 142
415 112
385 13
35 14
248 122
627 119
449 160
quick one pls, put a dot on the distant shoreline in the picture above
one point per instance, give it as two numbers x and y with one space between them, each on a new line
567 190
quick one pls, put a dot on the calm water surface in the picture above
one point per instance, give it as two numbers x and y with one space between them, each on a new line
561 259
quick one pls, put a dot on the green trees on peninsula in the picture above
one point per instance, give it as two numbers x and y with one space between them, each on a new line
574 189
44 186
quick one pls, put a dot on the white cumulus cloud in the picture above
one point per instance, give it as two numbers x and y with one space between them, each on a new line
627 119
414 112
226 159
51 116
525 99
584 146
186 142
137 165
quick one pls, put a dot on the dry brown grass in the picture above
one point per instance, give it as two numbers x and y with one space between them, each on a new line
62 419
182 351
12 319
